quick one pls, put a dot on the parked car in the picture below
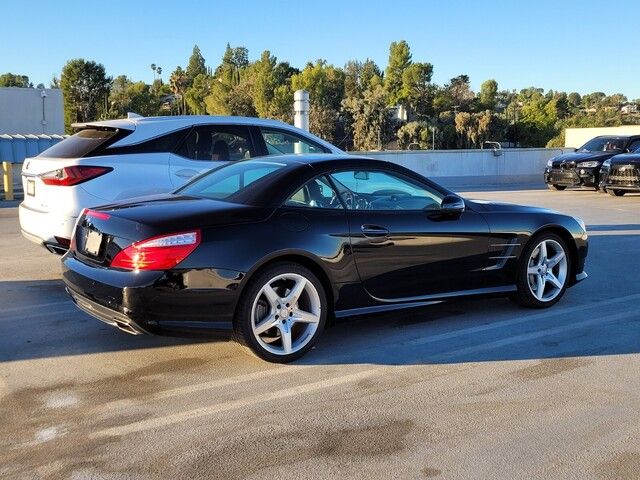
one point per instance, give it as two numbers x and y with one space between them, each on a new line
582 167
269 248
621 174
113 160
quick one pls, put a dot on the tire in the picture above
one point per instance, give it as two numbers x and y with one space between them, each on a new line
273 328
531 263
615 193
558 188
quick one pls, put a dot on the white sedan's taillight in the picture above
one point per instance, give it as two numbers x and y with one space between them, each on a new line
157 253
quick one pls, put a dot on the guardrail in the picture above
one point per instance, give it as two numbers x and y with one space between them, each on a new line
468 168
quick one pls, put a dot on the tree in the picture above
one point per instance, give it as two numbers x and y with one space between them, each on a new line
325 84
359 76
417 91
414 133
399 61
196 65
264 82
12 80
488 94
195 95
460 92
178 82
85 87
371 121
538 123
127 96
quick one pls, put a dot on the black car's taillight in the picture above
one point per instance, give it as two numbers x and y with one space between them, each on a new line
158 253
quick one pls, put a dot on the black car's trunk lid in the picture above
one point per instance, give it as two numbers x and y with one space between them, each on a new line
103 232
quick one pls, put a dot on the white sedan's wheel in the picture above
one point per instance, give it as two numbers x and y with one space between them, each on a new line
282 312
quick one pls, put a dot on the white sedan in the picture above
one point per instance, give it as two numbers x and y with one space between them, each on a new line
112 160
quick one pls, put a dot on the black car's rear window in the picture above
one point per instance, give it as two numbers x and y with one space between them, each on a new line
83 143
232 182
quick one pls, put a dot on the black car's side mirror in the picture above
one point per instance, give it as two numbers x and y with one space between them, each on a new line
452 204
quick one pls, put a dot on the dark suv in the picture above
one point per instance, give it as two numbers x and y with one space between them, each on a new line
582 167
621 173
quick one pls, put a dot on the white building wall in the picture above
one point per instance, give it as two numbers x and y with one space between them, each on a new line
21 111
576 137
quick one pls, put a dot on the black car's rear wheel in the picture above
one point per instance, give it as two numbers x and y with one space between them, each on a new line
615 193
282 312
556 187
543 273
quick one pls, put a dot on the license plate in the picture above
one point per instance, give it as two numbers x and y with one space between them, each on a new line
92 242
31 188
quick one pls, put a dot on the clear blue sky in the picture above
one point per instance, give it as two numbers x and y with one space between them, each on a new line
567 45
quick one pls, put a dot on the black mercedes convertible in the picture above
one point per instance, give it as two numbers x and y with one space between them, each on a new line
269 249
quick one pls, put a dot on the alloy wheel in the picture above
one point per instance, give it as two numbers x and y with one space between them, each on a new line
285 314
547 270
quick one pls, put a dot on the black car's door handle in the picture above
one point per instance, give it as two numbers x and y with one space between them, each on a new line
374 231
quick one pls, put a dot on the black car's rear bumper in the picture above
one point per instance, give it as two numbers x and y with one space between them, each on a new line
191 302
575 177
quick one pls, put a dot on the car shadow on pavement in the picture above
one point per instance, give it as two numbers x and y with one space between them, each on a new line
39 320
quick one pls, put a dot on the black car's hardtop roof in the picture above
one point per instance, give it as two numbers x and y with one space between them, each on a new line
319 160
300 168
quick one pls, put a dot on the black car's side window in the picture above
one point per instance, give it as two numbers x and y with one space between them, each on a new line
217 142
382 190
317 193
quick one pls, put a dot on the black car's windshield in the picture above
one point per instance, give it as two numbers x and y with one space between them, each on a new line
604 144
231 181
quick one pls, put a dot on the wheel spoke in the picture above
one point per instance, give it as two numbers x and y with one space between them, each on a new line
555 259
543 252
532 270
553 280
540 282
300 316
273 298
296 291
285 333
269 322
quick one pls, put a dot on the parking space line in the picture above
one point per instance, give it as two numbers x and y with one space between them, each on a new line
167 420
198 387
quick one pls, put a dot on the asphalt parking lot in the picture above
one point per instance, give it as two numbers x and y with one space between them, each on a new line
467 389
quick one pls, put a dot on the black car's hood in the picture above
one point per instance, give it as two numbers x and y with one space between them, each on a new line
496 207
626 159
582 157
177 212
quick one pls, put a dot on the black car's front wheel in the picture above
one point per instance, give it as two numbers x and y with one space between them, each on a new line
282 312
556 187
543 274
